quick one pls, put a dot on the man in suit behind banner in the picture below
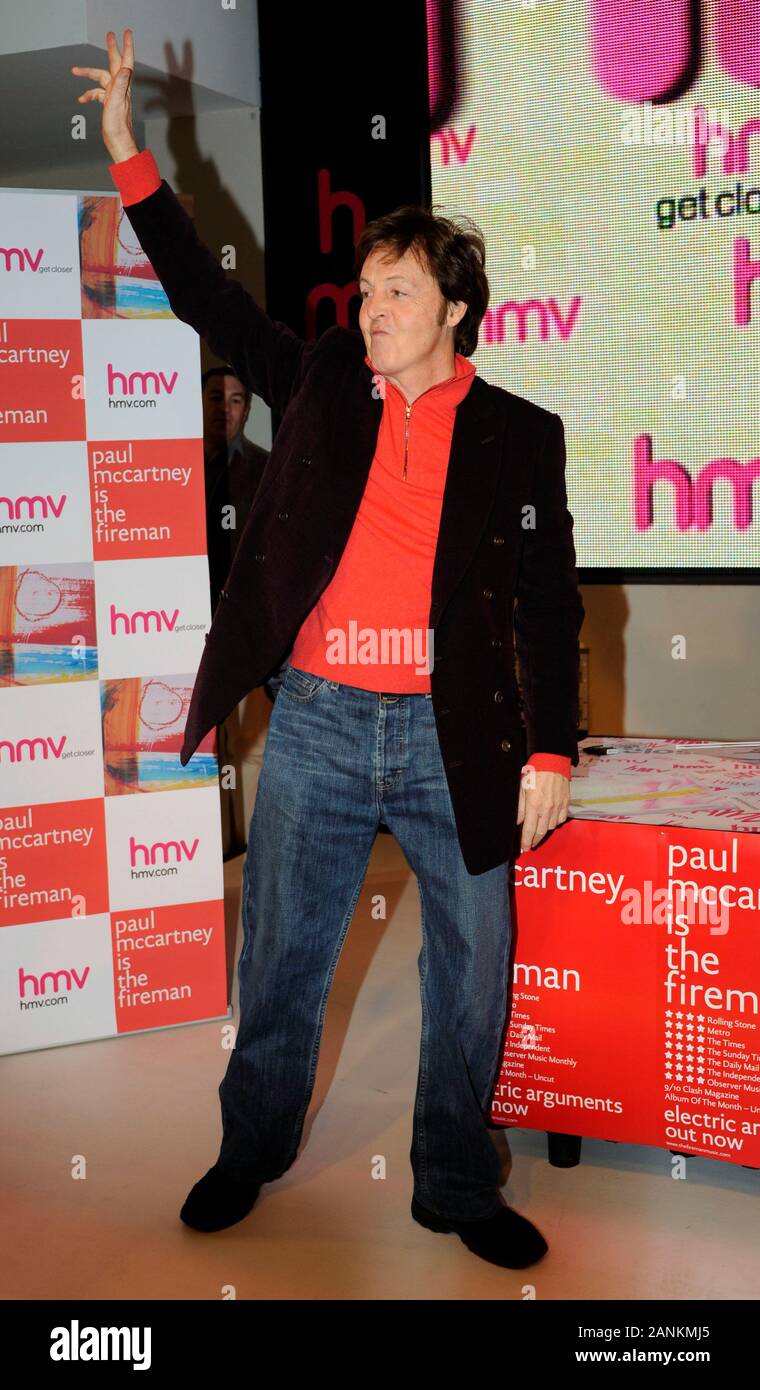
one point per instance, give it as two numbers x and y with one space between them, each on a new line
411 527
233 469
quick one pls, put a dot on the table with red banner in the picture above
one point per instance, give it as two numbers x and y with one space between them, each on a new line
636 974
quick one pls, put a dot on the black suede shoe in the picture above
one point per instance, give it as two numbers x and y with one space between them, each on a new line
505 1239
217 1201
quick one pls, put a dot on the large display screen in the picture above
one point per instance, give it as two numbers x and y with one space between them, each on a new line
610 152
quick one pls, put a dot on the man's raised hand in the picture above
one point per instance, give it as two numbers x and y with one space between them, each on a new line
113 91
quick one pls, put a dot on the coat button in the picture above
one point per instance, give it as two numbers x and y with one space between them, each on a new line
498 540
498 696
259 557
495 641
488 593
283 516
223 593
505 745
307 461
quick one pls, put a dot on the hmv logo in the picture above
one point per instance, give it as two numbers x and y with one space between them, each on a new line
123 387
691 497
450 144
53 982
30 507
734 145
19 258
141 620
30 750
166 853
535 317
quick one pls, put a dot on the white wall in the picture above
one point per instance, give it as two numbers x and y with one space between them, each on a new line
24 28
635 685
223 57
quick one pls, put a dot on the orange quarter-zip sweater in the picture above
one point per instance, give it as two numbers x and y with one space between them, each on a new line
369 627
383 583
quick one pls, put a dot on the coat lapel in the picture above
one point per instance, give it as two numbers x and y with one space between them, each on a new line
358 412
472 479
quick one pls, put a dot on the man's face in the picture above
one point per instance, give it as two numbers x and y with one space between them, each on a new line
225 410
403 315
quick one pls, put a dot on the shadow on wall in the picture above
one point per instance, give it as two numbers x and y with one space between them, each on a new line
218 216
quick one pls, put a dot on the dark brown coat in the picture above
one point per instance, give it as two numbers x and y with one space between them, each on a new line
506 468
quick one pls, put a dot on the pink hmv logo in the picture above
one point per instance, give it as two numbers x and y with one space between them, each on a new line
51 982
142 620
691 497
140 383
161 851
30 750
19 258
31 507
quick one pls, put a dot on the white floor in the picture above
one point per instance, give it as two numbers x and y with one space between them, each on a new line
144 1112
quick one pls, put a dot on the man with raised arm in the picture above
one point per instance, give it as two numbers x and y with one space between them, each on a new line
410 530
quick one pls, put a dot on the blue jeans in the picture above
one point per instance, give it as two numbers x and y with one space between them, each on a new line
337 760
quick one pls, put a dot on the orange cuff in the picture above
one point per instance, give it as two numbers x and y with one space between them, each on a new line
136 178
551 762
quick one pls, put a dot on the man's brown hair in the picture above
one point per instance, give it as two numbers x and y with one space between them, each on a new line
452 250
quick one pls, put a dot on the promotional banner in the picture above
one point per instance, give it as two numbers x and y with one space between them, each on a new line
610 152
636 984
111 891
